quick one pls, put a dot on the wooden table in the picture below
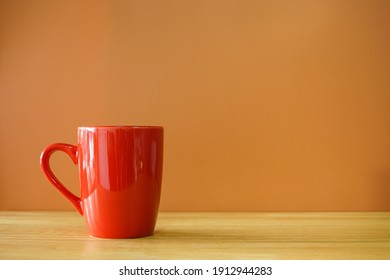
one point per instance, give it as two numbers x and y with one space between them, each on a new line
62 235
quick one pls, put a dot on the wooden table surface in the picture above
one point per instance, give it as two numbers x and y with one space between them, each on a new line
62 235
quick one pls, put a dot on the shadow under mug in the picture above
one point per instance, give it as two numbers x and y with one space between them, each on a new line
120 172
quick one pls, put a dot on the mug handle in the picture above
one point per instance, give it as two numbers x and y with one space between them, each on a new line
72 151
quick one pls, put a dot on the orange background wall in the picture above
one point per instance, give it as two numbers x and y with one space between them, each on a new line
267 105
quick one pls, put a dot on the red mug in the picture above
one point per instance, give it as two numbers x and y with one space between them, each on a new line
120 172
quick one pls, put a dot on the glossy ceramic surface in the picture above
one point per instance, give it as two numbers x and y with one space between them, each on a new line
120 170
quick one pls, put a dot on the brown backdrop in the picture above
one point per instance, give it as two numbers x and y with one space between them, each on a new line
267 105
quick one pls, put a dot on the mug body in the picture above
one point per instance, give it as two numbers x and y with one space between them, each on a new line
120 169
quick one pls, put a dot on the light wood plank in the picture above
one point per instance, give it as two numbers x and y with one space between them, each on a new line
63 235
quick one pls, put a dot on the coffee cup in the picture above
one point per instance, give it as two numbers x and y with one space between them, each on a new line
120 173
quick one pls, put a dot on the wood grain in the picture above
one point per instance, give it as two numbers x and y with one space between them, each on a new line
62 235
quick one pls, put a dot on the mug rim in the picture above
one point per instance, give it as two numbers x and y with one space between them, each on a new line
120 127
